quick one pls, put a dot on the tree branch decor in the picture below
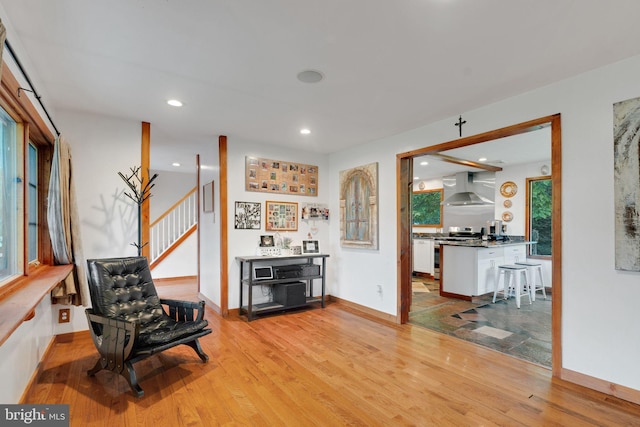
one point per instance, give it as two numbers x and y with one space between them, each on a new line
140 192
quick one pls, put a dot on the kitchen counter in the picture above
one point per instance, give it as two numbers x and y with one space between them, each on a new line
484 243
469 268
444 239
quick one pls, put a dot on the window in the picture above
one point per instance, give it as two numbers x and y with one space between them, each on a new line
426 209
32 203
539 216
10 186
26 149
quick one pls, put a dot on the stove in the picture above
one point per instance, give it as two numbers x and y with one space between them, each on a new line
465 235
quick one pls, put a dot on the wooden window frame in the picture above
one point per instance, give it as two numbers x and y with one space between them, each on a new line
30 127
527 230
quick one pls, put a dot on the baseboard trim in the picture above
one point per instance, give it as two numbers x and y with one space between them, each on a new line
620 391
375 314
172 280
45 356
213 306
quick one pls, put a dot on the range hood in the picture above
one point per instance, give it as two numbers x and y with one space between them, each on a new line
463 195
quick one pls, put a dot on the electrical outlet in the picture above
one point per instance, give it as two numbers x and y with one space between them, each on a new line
64 315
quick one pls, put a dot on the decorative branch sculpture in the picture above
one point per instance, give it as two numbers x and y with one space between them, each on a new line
140 192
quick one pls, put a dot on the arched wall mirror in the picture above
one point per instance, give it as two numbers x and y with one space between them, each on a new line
502 167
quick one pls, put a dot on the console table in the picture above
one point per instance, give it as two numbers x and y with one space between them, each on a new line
289 273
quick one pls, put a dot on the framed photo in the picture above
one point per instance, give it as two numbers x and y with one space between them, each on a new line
315 211
266 241
207 197
281 216
296 250
310 247
248 215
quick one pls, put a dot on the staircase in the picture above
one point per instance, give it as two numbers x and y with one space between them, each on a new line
173 227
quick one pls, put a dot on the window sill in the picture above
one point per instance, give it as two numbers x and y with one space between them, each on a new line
19 305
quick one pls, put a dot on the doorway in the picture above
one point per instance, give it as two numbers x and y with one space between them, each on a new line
404 170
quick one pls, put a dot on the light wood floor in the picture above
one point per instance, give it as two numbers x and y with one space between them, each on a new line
328 367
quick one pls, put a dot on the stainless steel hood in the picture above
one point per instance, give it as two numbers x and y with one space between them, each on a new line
463 195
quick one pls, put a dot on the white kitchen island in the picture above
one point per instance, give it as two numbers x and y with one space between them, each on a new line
468 270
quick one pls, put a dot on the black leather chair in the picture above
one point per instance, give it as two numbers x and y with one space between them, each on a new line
128 321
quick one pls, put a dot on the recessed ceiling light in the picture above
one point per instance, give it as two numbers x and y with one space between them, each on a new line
176 164
310 76
174 103
416 177
482 159
305 131
424 163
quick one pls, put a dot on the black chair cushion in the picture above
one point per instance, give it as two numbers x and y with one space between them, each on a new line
167 329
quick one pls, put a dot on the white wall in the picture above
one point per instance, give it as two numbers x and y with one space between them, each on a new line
101 147
599 302
209 226
169 188
22 352
245 242
358 274
182 262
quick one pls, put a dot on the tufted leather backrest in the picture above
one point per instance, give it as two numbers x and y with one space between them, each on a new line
122 288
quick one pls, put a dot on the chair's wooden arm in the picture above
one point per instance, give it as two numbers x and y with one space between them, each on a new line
183 311
113 338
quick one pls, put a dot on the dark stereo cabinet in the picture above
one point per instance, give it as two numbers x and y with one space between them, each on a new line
282 283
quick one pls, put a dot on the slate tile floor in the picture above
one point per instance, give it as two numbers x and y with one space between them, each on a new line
524 333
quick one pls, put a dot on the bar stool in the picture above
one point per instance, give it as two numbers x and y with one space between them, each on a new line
512 273
534 285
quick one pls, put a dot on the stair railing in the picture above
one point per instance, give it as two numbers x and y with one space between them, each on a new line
177 221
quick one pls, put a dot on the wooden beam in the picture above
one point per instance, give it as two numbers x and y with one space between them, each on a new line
224 233
470 163
144 173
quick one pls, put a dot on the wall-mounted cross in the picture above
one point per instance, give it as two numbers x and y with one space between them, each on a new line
459 124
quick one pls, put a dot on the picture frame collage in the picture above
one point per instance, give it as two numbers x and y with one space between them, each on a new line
282 177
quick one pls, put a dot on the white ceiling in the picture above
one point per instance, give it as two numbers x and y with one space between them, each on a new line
389 66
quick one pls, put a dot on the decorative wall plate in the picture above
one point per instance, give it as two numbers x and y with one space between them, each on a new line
507 216
421 185
507 203
508 189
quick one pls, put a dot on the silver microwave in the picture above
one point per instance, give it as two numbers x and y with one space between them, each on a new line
262 272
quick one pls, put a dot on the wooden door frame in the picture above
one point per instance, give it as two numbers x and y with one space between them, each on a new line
404 179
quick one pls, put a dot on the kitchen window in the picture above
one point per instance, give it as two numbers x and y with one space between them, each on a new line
426 208
539 214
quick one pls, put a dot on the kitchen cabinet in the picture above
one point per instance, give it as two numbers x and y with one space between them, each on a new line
469 271
515 253
423 256
459 270
488 260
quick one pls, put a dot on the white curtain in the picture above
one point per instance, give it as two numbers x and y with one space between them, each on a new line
64 227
